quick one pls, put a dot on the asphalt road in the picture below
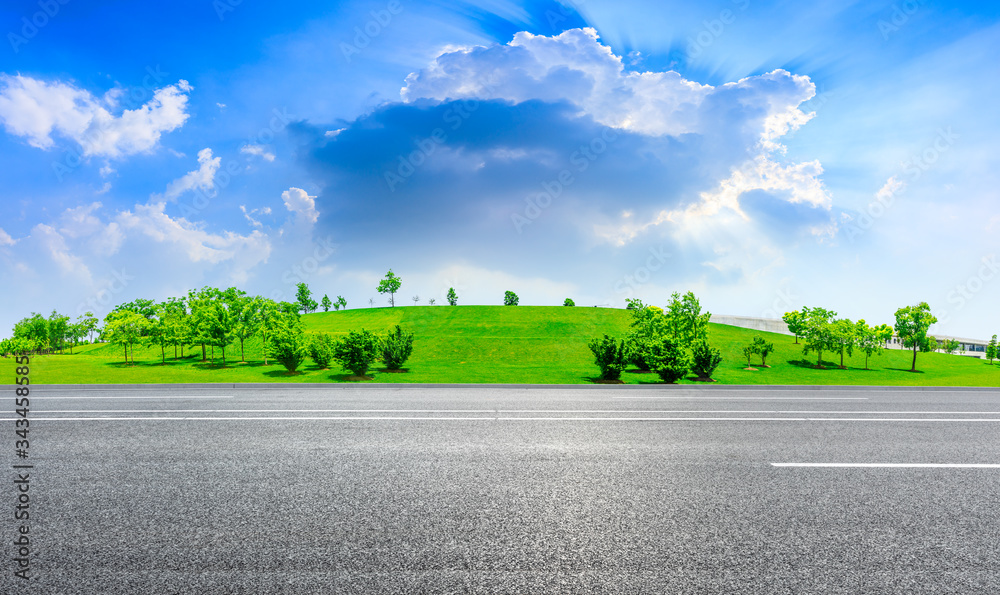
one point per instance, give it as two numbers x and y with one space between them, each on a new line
403 489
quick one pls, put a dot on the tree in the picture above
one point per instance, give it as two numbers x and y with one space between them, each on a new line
341 302
685 321
390 284
303 297
510 298
705 359
569 302
950 346
326 303
244 310
991 350
58 330
842 337
201 304
416 299
912 324
174 317
816 332
267 322
321 349
763 349
871 340
288 342
431 301
156 333
89 324
748 352
609 355
649 325
634 304
357 351
452 297
796 322
371 302
125 328
33 331
668 359
75 332
396 348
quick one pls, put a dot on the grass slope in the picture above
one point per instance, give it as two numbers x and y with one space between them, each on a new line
480 344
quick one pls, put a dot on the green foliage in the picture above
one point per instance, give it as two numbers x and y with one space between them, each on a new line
609 356
871 340
326 303
357 351
704 359
950 346
390 284
125 328
303 297
748 352
452 297
685 321
396 348
321 349
912 324
843 338
288 344
510 298
341 302
668 359
991 349
569 302
649 325
817 332
634 304
796 322
763 349
58 330
34 331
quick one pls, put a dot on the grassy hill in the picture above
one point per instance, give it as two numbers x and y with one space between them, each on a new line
497 344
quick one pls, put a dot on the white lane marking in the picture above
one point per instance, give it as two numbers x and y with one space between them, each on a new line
892 465
701 398
165 397
499 417
507 411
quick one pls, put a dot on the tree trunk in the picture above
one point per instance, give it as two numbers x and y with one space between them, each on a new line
243 357
913 368
126 354
203 358
264 337
163 352
841 358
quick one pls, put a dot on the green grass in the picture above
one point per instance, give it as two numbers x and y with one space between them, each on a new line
497 344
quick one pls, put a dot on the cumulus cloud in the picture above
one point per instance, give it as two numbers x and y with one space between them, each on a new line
299 202
38 111
5 239
258 150
60 252
202 178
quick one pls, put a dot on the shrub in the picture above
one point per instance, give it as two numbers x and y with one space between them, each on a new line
609 356
396 348
637 347
748 352
510 298
569 302
321 349
705 359
762 348
357 351
668 359
288 344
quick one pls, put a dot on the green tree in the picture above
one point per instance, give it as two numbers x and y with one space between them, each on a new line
199 322
125 328
705 359
817 332
390 284
157 332
762 348
634 304
288 343
89 322
648 325
321 349
452 297
357 351
668 359
34 331
396 348
843 338
871 340
568 302
685 321
748 353
991 350
950 346
510 298
244 312
609 355
268 318
341 302
912 324
303 297
174 316
326 303
796 322
58 330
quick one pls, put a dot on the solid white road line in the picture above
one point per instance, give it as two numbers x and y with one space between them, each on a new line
895 465
508 411
701 398
165 397
498 418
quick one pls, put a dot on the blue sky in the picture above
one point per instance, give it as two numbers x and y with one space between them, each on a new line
766 155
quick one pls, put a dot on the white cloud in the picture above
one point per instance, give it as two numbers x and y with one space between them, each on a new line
574 66
221 105
258 150
299 202
202 178
37 111
106 170
59 250
5 239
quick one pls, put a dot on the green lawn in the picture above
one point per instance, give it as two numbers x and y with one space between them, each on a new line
479 344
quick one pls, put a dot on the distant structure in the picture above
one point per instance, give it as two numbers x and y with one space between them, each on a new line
966 347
